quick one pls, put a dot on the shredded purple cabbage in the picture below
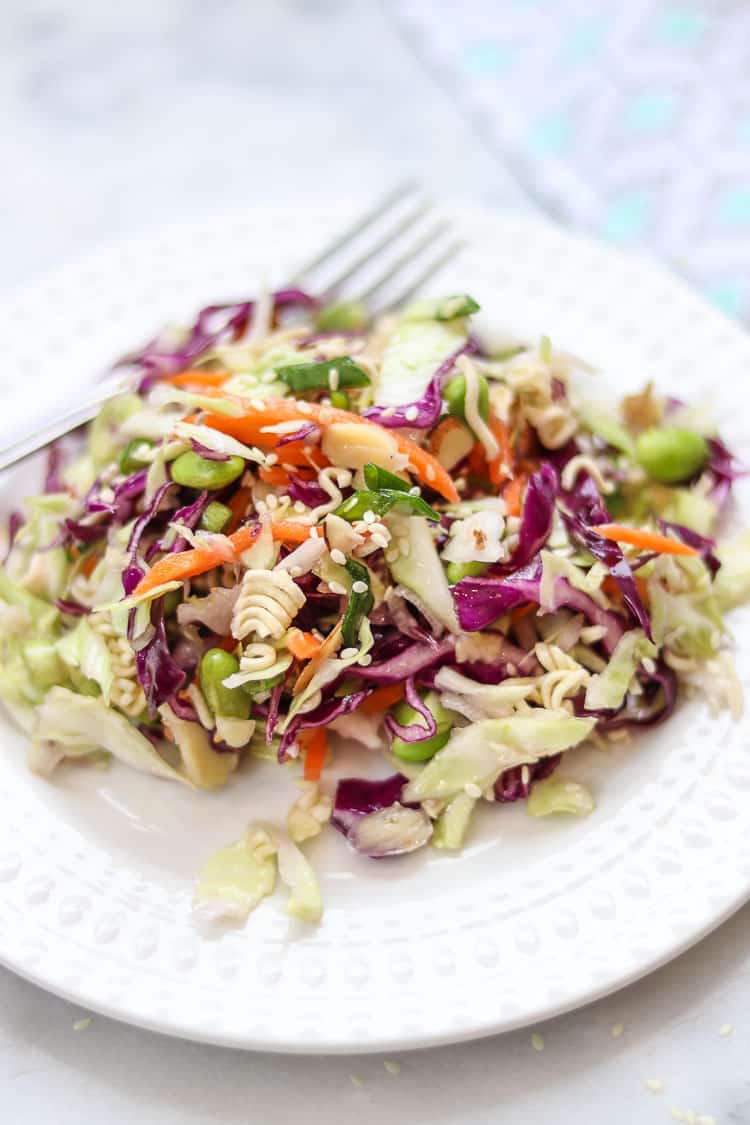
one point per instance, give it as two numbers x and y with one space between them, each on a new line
702 543
725 469
214 324
306 491
510 786
183 709
428 407
357 797
206 453
114 512
272 717
310 433
536 520
407 664
158 673
189 516
414 732
15 523
322 716
583 511
53 481
133 572
71 608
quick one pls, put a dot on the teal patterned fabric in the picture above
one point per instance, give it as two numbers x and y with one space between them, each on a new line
630 121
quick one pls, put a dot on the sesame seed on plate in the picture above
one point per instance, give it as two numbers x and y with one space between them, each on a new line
537 1041
392 1067
725 1030
616 1030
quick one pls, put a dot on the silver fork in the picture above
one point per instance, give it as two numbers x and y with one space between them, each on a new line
381 260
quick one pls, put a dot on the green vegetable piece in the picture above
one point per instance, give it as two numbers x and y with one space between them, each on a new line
339 400
342 316
216 517
135 455
377 478
454 394
359 605
671 455
556 795
43 662
216 665
427 747
454 571
193 471
328 375
381 502
171 600
508 353
444 308
255 687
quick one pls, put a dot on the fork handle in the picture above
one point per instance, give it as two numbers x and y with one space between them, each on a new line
32 440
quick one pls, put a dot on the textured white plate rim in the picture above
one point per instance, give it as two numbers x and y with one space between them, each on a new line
529 1018
545 241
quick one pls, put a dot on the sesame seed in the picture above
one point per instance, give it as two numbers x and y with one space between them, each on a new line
304 407
272 502
725 1030
537 1042
337 588
356 1080
388 412
295 571
649 665
81 1025
271 459
268 377
369 516
616 1030
348 653
333 378
338 556
392 1067
655 1085
257 404
430 472
359 587
365 660
525 775
472 790
415 491
299 506
411 413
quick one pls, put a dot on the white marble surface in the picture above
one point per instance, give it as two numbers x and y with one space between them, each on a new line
115 118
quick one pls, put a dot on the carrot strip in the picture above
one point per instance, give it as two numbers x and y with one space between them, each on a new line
512 495
274 475
88 566
303 645
188 564
440 433
646 540
252 428
198 378
316 752
522 611
381 699
238 506
500 468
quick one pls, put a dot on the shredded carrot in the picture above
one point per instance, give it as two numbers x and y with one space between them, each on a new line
316 751
274 475
522 611
382 698
303 645
646 540
252 428
500 468
512 494
478 462
188 564
238 506
198 378
88 566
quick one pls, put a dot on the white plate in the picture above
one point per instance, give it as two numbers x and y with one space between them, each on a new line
535 917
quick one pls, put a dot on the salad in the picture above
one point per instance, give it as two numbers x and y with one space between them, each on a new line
303 526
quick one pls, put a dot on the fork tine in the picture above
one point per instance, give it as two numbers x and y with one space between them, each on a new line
381 208
402 260
416 284
371 252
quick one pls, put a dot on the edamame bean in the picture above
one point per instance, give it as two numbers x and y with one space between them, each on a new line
171 600
427 747
454 394
216 517
454 572
339 400
670 455
215 666
195 471
135 455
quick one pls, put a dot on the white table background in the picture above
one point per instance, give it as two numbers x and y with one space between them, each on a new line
115 118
